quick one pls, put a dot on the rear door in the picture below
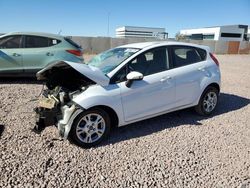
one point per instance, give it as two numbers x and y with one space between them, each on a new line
11 54
38 52
189 64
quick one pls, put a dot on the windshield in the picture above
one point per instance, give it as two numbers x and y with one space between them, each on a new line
109 60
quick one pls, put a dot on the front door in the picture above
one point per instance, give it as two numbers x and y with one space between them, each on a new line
155 93
11 54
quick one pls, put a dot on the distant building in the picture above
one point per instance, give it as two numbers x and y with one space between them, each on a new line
224 33
142 32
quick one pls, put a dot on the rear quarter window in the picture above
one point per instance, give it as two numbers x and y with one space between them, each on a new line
53 42
202 53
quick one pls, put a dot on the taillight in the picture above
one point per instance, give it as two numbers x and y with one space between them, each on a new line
214 59
75 52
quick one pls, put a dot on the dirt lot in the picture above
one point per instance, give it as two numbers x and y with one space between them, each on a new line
179 149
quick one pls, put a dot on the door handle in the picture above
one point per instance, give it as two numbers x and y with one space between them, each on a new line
49 54
202 69
166 78
16 54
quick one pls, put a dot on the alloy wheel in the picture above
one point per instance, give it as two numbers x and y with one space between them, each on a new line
90 128
210 101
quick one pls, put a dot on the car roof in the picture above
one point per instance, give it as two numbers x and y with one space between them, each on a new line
153 44
35 34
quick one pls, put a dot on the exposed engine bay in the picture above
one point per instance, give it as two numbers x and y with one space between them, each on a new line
55 106
65 76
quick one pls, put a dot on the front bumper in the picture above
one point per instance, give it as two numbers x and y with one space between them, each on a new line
45 117
62 117
62 124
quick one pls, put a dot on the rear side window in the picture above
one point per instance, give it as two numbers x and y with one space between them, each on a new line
39 42
72 42
185 55
10 42
151 62
36 42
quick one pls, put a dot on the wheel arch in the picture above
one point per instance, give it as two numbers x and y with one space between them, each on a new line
216 85
213 84
111 112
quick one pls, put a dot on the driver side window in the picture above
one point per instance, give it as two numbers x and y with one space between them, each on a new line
147 63
10 42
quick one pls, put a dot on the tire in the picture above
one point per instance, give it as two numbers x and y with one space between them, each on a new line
86 132
208 101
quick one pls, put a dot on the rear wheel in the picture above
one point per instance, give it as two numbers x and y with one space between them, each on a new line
208 101
90 128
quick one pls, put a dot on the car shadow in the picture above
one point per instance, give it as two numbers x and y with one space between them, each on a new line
1 130
21 80
227 103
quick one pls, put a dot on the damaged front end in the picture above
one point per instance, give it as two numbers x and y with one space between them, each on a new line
56 106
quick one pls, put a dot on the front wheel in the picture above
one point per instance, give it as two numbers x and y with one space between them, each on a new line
90 128
208 101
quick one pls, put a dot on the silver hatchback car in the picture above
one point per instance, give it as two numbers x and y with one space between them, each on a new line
127 84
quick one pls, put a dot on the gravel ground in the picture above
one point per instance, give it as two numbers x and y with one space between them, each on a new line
179 149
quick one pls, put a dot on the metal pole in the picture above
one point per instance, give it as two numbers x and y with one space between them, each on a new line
108 24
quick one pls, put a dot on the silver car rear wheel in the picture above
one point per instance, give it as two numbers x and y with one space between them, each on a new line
210 101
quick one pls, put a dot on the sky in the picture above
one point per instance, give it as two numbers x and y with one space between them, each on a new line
102 17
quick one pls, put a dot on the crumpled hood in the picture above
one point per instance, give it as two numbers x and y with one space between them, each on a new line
93 73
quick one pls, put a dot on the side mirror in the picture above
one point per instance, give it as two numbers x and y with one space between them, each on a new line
132 76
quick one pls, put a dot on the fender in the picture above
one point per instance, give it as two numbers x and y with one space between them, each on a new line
64 129
102 96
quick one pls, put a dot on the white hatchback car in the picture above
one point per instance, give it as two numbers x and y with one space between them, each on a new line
127 84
